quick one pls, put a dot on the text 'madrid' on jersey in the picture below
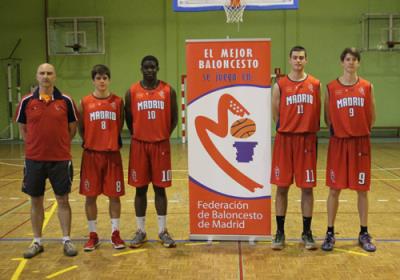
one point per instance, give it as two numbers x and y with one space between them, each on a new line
151 111
300 105
102 122
350 108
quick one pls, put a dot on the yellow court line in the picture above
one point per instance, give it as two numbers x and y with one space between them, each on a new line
201 243
351 252
61 271
129 252
20 268
263 242
48 214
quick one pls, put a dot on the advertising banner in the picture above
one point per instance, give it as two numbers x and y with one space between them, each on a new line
229 138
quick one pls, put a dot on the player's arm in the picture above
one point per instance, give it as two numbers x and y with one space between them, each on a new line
276 99
80 122
326 109
72 129
128 111
373 106
22 130
121 125
174 110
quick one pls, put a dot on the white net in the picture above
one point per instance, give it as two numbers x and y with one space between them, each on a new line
234 10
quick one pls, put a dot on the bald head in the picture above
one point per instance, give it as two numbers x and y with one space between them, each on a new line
46 76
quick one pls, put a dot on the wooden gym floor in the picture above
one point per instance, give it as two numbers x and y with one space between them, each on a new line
199 260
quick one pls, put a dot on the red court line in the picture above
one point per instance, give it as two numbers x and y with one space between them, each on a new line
240 260
9 183
21 224
12 208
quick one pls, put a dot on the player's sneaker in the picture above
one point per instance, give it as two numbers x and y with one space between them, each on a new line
166 239
308 240
33 250
69 249
116 240
278 243
92 243
329 242
366 243
138 239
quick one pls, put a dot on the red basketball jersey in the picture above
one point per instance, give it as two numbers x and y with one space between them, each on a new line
300 105
350 108
151 112
102 122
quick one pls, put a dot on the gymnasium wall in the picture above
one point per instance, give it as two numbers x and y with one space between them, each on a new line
135 28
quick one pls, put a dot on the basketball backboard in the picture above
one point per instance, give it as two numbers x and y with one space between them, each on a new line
380 32
210 5
75 35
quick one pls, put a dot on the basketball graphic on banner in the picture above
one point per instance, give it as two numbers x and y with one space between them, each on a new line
243 128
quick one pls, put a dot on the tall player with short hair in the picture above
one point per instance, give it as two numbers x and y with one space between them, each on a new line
100 125
296 111
151 116
350 114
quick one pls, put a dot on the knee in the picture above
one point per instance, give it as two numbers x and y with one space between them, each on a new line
114 200
282 191
307 192
159 192
37 201
91 200
62 201
141 192
362 194
334 193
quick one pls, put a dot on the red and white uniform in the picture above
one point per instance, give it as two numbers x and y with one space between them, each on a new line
101 170
47 126
300 105
295 147
349 152
150 159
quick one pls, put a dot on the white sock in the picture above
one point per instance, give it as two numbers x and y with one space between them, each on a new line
37 240
65 239
141 223
114 225
92 225
162 223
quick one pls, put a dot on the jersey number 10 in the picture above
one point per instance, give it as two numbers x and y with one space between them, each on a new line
151 115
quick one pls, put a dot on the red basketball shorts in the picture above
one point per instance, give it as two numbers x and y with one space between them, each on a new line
295 154
101 172
349 163
150 162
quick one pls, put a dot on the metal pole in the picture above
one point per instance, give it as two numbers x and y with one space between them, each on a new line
10 105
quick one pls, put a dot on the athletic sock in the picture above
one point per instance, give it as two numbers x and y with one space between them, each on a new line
65 239
114 225
330 230
92 225
37 240
140 221
162 223
363 230
280 222
306 224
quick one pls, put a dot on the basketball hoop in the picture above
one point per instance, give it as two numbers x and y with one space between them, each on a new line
392 44
234 10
